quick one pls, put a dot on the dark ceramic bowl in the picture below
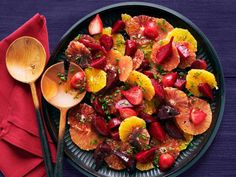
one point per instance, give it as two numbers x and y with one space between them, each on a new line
82 160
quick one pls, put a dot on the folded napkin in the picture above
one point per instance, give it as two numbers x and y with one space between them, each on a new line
20 147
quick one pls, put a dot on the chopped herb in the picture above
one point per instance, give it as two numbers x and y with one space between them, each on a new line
119 43
118 70
78 36
163 21
117 60
129 151
142 136
190 94
155 162
181 73
160 70
61 76
72 69
163 29
93 142
151 65
159 24
155 76
98 56
108 117
117 91
110 96
161 42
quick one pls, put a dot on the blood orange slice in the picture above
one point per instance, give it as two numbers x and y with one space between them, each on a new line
185 123
138 59
171 62
81 132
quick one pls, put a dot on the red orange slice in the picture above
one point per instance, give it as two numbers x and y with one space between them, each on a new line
185 123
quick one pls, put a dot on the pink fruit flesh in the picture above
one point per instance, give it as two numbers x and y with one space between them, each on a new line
95 26
197 116
168 80
180 83
127 112
134 95
183 51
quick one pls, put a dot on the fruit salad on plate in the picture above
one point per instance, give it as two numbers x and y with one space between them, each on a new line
148 93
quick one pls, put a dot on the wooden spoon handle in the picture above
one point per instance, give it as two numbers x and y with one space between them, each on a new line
60 144
42 133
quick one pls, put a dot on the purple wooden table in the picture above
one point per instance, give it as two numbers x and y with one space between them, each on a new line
216 18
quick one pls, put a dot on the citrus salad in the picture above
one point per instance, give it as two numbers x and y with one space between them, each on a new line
147 92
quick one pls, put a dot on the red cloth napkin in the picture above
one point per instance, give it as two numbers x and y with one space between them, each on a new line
20 148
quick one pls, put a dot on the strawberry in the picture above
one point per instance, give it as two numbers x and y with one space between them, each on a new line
166 161
180 83
183 51
146 155
95 26
164 52
130 47
118 26
127 112
134 95
199 64
169 79
157 131
100 125
159 90
206 90
151 30
99 63
78 81
148 118
106 41
197 116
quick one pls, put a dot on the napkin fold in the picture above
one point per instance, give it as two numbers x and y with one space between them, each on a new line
20 147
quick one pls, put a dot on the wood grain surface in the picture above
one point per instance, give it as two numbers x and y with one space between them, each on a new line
216 18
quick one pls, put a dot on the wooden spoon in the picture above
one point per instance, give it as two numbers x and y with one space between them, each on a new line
25 60
58 93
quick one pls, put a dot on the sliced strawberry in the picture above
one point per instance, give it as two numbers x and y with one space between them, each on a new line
166 161
183 51
159 90
157 131
100 125
206 90
130 47
134 95
151 30
118 26
180 83
199 64
106 41
148 118
169 79
92 45
197 116
146 155
95 26
127 112
164 52
99 63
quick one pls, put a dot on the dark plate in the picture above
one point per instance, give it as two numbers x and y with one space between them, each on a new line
82 160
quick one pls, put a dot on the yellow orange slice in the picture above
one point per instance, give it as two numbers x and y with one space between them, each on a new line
107 30
198 76
180 35
149 107
183 144
140 79
185 123
144 166
96 79
128 125
119 43
125 17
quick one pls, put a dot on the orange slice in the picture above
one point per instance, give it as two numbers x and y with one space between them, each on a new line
144 166
198 76
113 57
125 67
128 125
187 126
119 43
81 131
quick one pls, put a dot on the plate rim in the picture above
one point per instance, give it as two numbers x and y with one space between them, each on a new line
210 49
